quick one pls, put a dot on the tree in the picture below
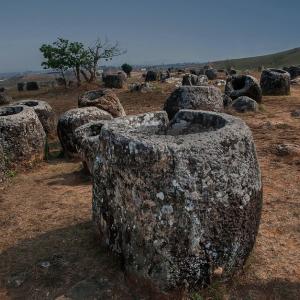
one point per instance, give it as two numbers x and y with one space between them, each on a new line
100 50
127 69
62 55
56 56
78 57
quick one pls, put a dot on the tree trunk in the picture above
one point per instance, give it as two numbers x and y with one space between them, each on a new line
77 72
64 78
85 76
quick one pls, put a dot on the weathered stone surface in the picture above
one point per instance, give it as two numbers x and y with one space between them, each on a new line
295 81
71 120
243 85
211 74
295 113
32 86
275 82
123 75
143 87
22 136
87 142
197 72
5 98
44 112
2 164
232 71
88 136
178 201
104 99
294 71
244 104
152 76
226 100
194 97
191 79
20 86
116 81
286 150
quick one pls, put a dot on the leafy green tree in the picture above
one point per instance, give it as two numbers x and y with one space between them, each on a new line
127 69
78 57
56 56
63 55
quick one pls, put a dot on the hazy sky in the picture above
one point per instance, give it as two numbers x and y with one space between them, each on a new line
164 31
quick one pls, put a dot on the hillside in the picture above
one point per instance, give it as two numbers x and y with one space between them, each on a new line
276 60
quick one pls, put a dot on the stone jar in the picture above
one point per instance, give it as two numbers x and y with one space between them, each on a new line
275 82
44 112
22 136
178 200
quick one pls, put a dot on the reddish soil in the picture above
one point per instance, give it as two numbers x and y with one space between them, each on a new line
47 242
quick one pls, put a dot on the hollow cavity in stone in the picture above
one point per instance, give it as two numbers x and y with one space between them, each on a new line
7 111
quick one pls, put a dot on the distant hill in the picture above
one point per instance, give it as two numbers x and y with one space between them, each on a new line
276 60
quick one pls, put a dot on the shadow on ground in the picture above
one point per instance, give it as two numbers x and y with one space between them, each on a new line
69 262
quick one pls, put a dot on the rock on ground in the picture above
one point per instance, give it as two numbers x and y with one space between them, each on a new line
244 104
243 85
211 74
275 82
32 86
194 97
22 136
4 98
180 200
71 120
294 71
116 81
104 99
153 76
295 113
44 112
144 87
191 79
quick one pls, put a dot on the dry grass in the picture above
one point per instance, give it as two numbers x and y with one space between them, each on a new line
45 215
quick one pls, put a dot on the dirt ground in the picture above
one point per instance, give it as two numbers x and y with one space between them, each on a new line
48 249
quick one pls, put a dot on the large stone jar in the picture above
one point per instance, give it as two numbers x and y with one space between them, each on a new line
22 136
44 112
204 97
180 200
243 85
71 120
88 135
275 82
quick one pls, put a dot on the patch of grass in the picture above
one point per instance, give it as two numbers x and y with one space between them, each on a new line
275 60
262 108
196 296
215 291
11 173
